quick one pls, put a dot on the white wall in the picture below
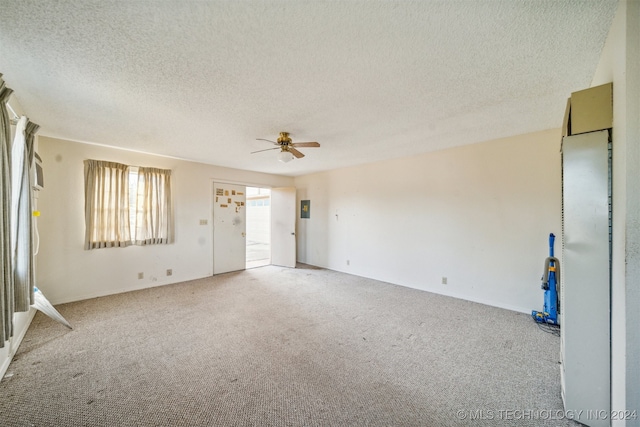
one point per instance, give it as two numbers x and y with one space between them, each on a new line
620 64
66 272
479 215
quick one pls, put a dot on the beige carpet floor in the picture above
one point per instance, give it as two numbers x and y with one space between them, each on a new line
274 346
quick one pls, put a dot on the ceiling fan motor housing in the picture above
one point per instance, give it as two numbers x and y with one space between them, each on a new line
284 139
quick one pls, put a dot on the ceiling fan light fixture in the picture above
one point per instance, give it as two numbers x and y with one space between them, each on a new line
285 156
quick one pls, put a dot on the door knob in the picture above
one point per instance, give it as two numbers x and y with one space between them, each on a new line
293 234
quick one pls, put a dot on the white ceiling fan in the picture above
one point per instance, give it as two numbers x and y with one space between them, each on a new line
287 148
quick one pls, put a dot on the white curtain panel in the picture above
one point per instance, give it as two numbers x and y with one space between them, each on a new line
17 166
153 213
106 205
27 293
21 217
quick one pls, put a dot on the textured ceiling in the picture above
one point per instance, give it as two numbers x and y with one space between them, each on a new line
369 80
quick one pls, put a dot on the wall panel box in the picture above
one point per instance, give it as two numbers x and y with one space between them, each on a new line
592 109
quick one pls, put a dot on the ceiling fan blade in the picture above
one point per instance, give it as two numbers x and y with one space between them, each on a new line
267 149
296 153
268 140
306 144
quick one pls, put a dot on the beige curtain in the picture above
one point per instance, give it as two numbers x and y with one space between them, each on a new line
153 212
6 275
106 186
22 217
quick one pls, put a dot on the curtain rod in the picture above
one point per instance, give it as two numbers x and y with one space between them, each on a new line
15 118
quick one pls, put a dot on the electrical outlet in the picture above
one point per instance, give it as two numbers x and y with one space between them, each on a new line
169 272
140 276
203 222
444 280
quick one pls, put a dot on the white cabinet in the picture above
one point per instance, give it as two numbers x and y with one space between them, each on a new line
585 277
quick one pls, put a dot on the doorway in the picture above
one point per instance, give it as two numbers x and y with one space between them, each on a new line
258 227
267 215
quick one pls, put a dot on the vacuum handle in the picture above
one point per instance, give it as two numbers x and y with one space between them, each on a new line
547 269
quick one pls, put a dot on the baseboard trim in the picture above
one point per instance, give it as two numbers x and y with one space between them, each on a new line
65 299
442 292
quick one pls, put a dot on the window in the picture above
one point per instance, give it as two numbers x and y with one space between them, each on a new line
153 207
126 205
133 194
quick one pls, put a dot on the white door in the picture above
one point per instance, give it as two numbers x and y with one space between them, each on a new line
283 226
229 228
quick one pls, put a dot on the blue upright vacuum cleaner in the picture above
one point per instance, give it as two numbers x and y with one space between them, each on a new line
550 279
